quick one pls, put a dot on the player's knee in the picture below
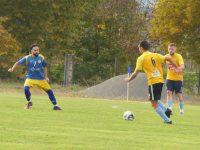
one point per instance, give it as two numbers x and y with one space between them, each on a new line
180 96
169 92
49 92
154 104
26 88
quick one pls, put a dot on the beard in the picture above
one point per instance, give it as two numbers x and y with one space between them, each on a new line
36 55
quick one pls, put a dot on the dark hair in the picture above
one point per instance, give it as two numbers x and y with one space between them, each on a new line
145 45
172 45
34 45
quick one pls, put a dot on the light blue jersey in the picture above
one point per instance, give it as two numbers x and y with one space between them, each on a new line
34 66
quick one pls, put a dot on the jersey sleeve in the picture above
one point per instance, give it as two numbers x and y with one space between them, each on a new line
22 61
44 63
161 57
139 64
180 60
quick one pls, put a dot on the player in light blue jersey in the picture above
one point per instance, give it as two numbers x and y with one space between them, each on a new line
36 68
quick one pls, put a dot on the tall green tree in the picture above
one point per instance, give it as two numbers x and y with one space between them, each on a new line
94 31
51 24
47 22
111 29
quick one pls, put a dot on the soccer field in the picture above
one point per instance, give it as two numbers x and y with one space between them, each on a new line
87 124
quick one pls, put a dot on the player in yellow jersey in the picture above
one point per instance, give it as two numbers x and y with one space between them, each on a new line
175 77
151 64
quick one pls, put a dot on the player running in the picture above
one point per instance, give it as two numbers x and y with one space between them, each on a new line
151 64
175 77
36 67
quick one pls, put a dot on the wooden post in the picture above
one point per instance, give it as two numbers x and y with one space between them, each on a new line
68 69
199 83
115 67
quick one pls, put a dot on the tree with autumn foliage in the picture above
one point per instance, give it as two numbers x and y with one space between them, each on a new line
178 21
96 32
9 48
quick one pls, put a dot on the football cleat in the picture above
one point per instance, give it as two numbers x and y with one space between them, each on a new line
170 122
29 105
56 108
181 113
168 112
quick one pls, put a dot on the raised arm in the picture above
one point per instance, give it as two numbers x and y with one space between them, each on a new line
13 67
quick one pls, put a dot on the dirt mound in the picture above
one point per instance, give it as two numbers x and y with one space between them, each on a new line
116 88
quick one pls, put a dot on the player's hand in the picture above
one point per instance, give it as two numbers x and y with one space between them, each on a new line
179 70
10 70
171 67
127 79
47 79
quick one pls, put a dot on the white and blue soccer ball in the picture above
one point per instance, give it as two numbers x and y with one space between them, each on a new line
128 115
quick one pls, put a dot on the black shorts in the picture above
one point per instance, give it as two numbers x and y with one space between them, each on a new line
155 91
174 86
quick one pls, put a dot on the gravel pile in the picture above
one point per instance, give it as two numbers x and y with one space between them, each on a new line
116 88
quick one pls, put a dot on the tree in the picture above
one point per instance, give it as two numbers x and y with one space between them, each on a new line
109 29
178 22
94 31
49 23
8 49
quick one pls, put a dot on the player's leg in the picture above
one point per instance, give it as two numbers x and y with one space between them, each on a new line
160 103
154 95
170 89
178 91
181 103
46 87
158 88
27 86
160 112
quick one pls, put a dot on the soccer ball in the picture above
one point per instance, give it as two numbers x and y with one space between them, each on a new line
128 115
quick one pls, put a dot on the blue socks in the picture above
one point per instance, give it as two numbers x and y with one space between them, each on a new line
49 92
181 105
162 105
162 114
169 101
27 93
51 97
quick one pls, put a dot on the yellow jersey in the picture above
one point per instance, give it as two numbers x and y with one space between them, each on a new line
151 63
171 74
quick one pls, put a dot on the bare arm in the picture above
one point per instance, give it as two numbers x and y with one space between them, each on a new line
46 74
133 75
171 61
180 69
13 67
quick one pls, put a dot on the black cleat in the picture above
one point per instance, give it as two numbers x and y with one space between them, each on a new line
56 108
168 112
168 122
29 105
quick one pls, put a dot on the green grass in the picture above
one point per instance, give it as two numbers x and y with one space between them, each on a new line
88 124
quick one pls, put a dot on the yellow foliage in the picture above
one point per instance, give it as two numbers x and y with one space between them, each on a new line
8 47
177 21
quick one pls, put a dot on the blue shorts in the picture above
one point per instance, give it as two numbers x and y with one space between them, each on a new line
174 86
155 91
